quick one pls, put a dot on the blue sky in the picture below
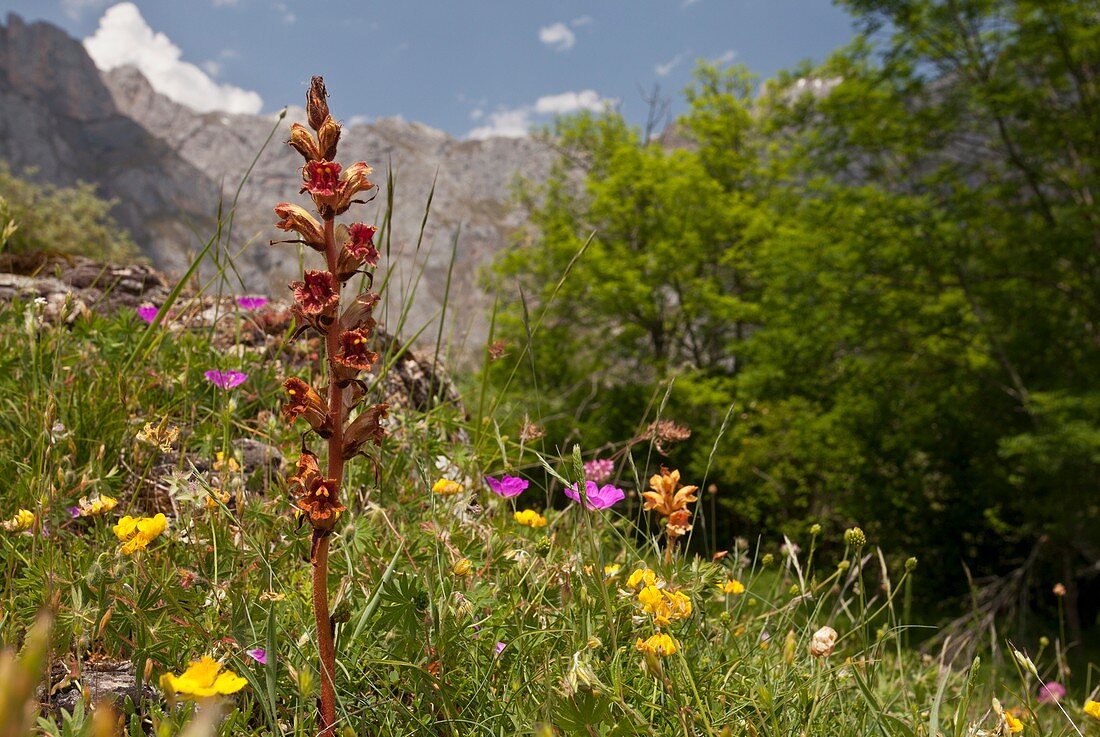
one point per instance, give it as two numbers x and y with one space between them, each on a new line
469 67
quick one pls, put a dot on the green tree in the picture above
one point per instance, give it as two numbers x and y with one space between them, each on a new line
67 220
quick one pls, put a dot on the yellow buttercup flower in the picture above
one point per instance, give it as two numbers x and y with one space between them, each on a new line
23 520
659 644
1014 725
446 487
1092 708
732 586
135 533
641 577
530 518
202 679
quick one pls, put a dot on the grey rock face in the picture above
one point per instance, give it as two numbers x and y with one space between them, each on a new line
168 166
471 201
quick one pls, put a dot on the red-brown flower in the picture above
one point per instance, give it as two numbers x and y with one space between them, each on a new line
358 313
297 219
354 353
367 426
303 401
322 178
302 141
360 243
317 294
354 181
308 469
320 502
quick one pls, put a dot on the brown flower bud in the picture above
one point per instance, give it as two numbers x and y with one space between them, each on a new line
358 313
303 401
302 141
367 426
317 103
327 137
295 218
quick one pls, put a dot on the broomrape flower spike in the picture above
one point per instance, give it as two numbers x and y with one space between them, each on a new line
333 413
203 679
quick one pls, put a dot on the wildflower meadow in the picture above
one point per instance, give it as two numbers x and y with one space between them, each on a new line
401 570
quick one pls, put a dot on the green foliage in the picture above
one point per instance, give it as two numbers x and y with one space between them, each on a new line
418 643
886 266
70 220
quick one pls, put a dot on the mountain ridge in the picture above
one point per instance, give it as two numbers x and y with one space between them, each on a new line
168 166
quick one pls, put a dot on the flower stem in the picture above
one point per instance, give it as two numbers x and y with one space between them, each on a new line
325 645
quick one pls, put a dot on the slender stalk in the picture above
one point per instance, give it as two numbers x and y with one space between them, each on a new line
325 645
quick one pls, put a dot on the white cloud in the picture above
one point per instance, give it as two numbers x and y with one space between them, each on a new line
218 3
663 70
359 120
285 13
477 114
686 3
212 68
558 37
507 123
582 20
516 122
571 102
724 58
123 37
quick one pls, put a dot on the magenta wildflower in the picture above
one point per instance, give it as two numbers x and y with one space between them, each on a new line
251 303
1051 692
258 654
599 470
148 313
599 497
506 486
225 379
500 647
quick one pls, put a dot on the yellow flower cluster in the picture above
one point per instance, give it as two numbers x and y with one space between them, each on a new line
665 607
202 679
659 644
135 533
641 577
611 570
216 498
97 505
446 487
732 586
530 518
162 436
1092 708
23 520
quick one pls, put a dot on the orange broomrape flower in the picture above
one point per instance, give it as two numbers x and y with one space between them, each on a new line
297 219
354 353
319 502
358 314
317 294
670 500
305 402
308 469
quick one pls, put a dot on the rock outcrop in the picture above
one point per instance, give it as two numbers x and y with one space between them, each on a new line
168 166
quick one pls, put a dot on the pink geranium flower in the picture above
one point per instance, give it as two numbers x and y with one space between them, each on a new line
251 303
148 313
258 654
225 379
599 497
507 486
